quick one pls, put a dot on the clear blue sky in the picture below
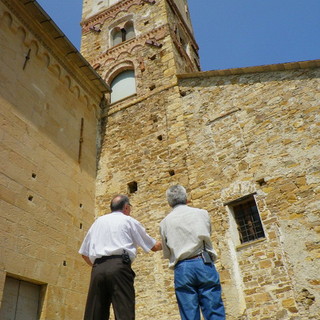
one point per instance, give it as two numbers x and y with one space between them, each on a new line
232 33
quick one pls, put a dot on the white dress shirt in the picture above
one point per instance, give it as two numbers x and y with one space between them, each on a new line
183 232
114 232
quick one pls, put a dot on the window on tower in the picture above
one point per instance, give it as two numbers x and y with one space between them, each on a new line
121 34
129 29
113 2
116 35
123 86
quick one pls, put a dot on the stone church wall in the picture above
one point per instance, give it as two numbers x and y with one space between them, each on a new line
225 137
139 150
259 132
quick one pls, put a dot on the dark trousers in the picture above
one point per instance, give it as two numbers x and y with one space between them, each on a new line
112 282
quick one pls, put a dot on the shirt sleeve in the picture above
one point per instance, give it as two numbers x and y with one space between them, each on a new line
140 236
207 217
85 247
165 248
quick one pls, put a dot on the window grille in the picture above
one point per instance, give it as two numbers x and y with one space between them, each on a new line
248 220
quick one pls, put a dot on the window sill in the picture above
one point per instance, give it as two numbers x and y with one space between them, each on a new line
248 244
114 47
123 99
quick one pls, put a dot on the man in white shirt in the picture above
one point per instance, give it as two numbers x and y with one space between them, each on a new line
186 242
110 247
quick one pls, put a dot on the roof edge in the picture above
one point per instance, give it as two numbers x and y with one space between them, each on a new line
38 21
308 64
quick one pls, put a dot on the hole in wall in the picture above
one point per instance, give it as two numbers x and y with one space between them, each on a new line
80 225
30 198
34 175
132 187
171 173
160 138
261 182
154 118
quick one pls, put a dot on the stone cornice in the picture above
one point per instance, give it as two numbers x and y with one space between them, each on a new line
309 64
109 13
116 107
39 23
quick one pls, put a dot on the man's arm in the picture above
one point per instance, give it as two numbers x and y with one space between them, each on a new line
87 260
157 246
165 248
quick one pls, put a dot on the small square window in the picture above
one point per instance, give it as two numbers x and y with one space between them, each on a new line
247 219
132 187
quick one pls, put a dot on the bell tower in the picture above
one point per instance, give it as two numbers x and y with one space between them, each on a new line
138 46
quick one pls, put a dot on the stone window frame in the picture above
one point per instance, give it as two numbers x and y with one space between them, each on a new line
251 230
122 30
22 296
116 71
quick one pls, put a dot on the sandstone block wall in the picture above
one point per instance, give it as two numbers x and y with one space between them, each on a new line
137 148
225 137
259 133
47 185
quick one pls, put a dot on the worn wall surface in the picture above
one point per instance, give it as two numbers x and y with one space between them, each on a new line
225 137
259 132
47 184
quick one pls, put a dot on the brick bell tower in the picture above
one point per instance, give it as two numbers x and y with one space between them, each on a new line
138 46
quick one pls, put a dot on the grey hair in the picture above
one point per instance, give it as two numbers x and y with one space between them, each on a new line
176 194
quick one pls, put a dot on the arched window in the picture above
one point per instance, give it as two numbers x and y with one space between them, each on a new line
119 35
116 35
129 29
123 85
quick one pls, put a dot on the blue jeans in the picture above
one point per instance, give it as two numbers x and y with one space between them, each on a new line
197 285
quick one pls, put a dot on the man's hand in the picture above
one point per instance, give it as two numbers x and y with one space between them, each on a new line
157 246
87 260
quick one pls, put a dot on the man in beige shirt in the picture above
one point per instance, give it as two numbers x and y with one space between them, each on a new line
186 242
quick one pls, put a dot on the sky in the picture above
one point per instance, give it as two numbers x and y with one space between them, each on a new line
231 33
